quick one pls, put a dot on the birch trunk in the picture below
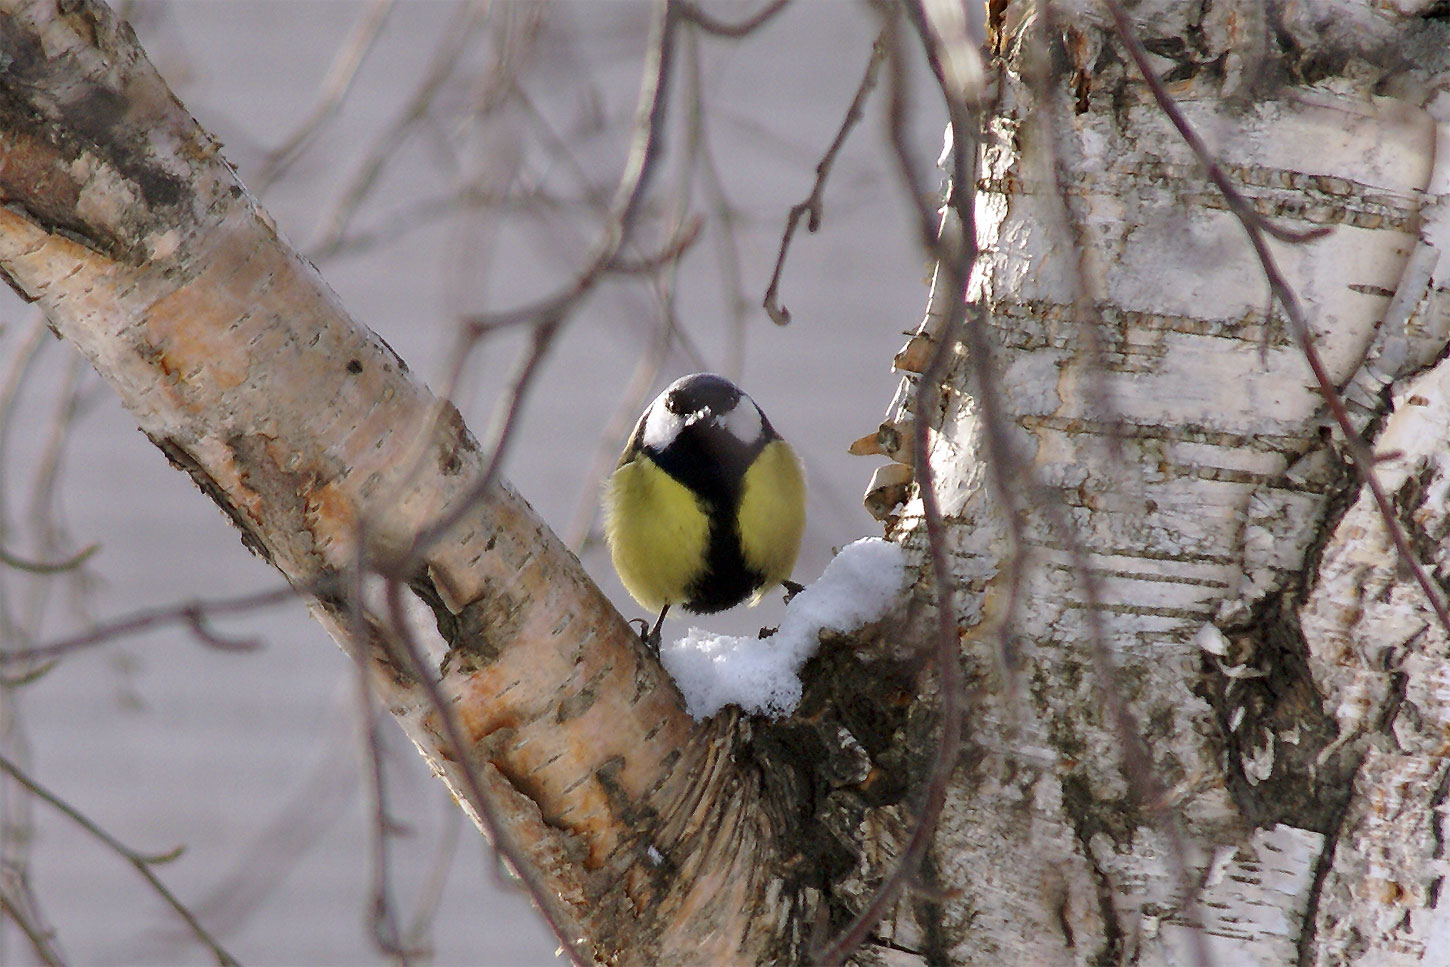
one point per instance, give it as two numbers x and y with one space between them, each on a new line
1289 679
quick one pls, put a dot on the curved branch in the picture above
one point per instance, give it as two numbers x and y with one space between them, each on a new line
722 28
955 252
141 862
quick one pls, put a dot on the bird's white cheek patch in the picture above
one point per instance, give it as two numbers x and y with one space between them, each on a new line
661 426
743 422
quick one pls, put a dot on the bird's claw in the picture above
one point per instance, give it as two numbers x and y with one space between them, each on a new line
649 637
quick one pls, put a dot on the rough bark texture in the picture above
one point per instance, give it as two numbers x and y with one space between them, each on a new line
1289 680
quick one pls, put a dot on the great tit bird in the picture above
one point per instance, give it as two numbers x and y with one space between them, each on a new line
707 504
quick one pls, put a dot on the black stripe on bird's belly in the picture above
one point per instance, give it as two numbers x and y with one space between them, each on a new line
726 580
712 463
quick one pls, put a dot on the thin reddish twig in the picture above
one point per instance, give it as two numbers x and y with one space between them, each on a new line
812 206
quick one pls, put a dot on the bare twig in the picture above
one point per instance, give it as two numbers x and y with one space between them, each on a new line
500 436
497 831
196 620
446 59
673 249
723 216
383 915
392 227
954 253
549 314
141 862
631 401
42 939
1016 484
45 470
190 614
721 28
958 228
22 359
666 332
1055 127
48 567
634 180
812 206
431 893
18 902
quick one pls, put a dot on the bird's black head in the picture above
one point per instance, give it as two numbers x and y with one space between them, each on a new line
704 432
702 393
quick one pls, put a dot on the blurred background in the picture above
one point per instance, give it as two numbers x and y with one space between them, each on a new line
437 160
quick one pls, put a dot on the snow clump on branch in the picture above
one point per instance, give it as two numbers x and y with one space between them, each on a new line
761 675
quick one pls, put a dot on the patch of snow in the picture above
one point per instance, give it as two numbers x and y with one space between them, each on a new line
761 675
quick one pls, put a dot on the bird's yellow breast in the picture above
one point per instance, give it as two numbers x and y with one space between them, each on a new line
772 513
657 533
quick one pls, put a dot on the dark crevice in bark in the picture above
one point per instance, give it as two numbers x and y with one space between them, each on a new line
1263 687
930 913
449 624
1088 815
178 457
889 945
1442 792
1304 948
1341 492
858 737
1282 698
482 629
1319 42
1437 804
1417 489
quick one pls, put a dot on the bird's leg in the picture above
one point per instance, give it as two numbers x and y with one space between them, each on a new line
652 640
791 589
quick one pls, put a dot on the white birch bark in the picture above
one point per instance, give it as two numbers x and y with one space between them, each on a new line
1290 680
